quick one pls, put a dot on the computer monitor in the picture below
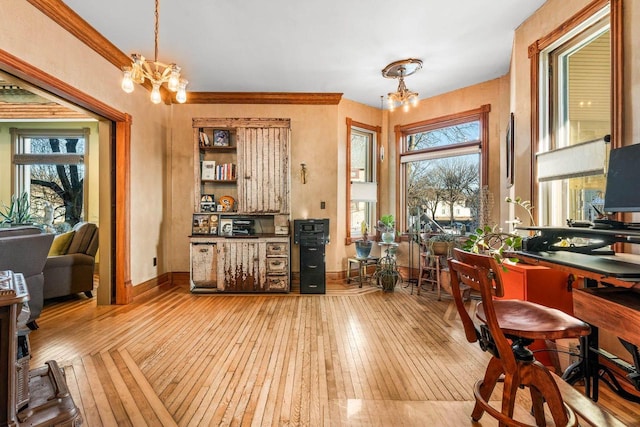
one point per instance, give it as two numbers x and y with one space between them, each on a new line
623 180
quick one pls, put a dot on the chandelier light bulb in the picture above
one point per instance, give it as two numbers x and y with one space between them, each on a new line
156 98
127 82
174 78
181 96
405 106
158 73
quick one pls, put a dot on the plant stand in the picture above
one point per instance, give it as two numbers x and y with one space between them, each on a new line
387 274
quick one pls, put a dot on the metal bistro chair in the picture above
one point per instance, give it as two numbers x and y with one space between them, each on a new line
505 328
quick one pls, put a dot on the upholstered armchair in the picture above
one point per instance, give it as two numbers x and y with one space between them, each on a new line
24 250
71 272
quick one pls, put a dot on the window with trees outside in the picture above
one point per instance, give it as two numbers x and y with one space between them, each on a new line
575 84
50 167
441 171
362 167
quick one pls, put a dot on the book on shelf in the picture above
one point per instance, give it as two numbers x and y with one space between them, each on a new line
225 172
208 169
204 139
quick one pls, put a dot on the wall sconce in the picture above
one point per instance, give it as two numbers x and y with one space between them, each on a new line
303 172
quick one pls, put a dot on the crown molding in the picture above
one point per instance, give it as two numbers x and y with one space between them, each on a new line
264 98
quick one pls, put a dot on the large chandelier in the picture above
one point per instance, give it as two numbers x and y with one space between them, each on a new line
156 72
403 97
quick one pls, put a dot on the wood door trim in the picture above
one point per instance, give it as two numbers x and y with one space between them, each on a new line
122 139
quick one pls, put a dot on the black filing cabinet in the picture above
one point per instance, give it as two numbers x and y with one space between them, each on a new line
312 235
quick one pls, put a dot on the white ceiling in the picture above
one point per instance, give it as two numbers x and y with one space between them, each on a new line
317 46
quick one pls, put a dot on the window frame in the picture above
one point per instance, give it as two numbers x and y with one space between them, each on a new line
376 132
480 114
22 158
537 62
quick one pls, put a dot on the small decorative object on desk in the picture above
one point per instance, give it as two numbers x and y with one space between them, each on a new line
221 138
363 247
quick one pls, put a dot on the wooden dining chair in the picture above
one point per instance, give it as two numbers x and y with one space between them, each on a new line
505 328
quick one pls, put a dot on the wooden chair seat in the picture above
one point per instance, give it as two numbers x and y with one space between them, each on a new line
505 328
529 320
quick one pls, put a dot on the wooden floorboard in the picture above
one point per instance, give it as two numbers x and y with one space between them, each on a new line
353 357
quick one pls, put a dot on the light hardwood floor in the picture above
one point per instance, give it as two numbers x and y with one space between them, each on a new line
350 357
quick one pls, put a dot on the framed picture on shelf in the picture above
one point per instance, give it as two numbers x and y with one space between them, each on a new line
226 226
200 224
221 138
213 224
207 203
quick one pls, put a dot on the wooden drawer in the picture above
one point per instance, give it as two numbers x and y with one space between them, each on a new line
277 265
278 283
277 248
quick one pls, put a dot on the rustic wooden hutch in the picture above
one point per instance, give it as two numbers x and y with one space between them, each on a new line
240 238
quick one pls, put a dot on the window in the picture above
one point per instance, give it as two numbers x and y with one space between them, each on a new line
50 167
575 78
362 166
442 170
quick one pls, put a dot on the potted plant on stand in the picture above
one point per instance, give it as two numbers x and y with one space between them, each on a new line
387 226
363 247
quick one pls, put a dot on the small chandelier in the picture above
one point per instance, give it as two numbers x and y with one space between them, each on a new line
156 72
403 97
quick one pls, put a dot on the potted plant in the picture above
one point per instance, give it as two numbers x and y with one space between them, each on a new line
363 247
441 243
387 226
17 213
387 273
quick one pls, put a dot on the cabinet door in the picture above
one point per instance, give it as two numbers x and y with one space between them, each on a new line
203 265
241 266
263 170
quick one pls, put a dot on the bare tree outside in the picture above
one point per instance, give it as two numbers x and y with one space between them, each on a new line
438 180
58 183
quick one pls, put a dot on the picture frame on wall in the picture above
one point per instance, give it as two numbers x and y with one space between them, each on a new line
221 138
510 148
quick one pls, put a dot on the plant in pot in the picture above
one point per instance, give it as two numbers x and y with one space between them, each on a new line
18 211
387 226
363 247
441 243
387 273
